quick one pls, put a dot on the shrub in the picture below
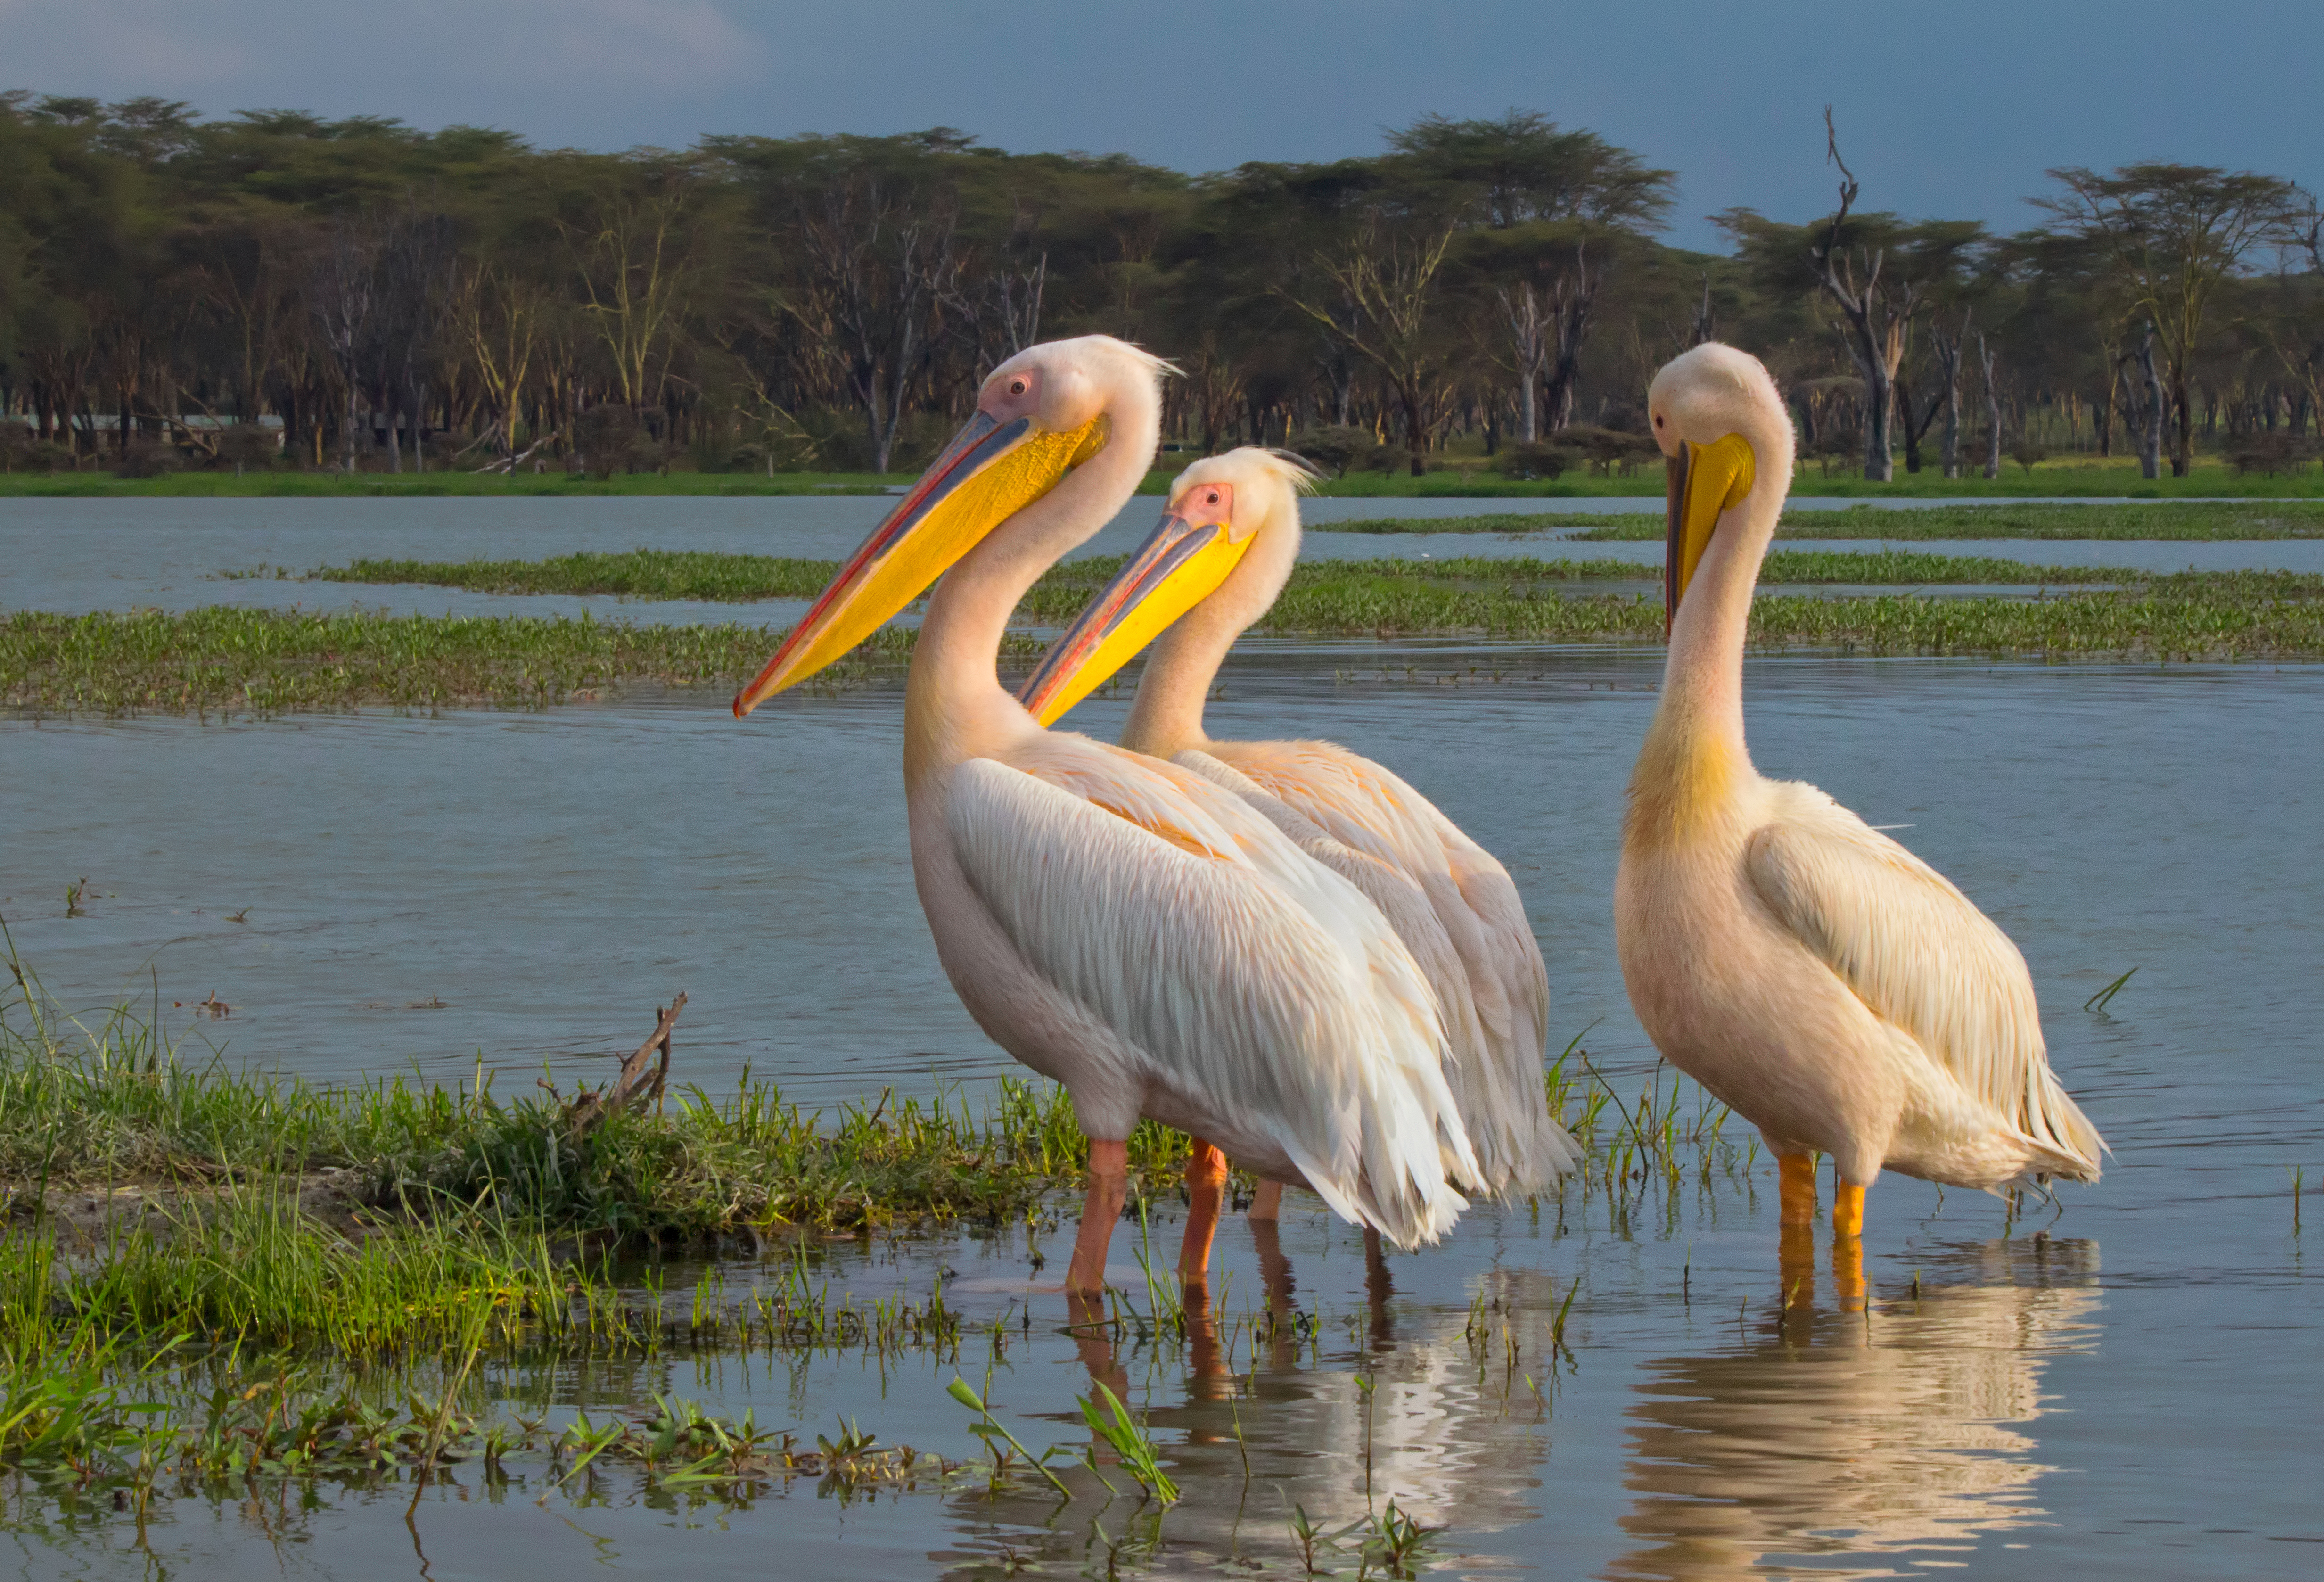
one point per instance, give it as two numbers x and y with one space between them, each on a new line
248 445
1533 458
145 457
2026 454
603 437
1335 446
2271 453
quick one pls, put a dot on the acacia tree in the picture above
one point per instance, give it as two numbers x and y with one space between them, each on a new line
1544 211
2173 233
1388 271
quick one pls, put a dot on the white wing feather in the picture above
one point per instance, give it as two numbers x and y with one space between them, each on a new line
1476 911
1252 980
1921 956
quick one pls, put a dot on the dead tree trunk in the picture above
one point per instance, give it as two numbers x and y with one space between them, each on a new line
1992 411
1875 333
1572 306
1949 351
2150 436
1529 343
1702 325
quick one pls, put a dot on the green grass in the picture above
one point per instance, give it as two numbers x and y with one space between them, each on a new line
657 574
273 662
680 574
239 661
2166 521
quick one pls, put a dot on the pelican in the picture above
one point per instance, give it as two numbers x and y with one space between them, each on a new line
1215 564
1833 989
1120 925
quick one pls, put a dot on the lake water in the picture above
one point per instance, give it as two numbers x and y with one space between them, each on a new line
2127 1391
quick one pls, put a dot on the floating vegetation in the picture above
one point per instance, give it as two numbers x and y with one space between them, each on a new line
657 574
2162 519
259 662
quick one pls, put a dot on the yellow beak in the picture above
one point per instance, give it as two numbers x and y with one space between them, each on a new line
990 471
1706 481
1177 566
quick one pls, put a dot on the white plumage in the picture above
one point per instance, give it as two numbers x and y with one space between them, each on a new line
1223 553
1833 988
1120 925
1252 997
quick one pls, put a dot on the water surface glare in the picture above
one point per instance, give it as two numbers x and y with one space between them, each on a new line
2127 1392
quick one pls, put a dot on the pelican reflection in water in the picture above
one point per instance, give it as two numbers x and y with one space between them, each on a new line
1333 1411
1838 1434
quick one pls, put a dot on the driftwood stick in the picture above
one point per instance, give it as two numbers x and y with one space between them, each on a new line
640 1076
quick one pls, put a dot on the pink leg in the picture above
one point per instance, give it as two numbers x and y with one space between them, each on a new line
1267 1203
1206 1179
1109 1185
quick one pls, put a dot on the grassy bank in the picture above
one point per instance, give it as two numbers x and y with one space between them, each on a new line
2198 520
226 1204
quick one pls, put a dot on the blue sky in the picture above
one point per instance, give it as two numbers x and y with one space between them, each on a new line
1956 113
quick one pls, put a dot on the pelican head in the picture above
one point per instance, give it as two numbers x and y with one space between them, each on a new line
1038 415
1221 508
1719 421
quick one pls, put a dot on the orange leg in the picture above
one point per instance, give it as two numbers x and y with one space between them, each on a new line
1206 1178
1847 1246
1796 1263
1267 1203
1109 1185
1797 1175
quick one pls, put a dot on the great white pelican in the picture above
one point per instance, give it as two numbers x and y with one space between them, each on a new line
1118 924
1216 564
1833 989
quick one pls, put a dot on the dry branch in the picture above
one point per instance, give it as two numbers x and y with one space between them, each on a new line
640 1077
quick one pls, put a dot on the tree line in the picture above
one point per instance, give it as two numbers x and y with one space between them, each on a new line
269 288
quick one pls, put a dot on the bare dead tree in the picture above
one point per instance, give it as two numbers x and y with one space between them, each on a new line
1876 318
1017 297
1572 303
1948 349
1703 328
2148 401
342 299
1992 409
879 261
1529 344
412 271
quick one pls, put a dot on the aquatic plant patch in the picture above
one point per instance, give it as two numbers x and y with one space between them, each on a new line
273 662
2200 520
